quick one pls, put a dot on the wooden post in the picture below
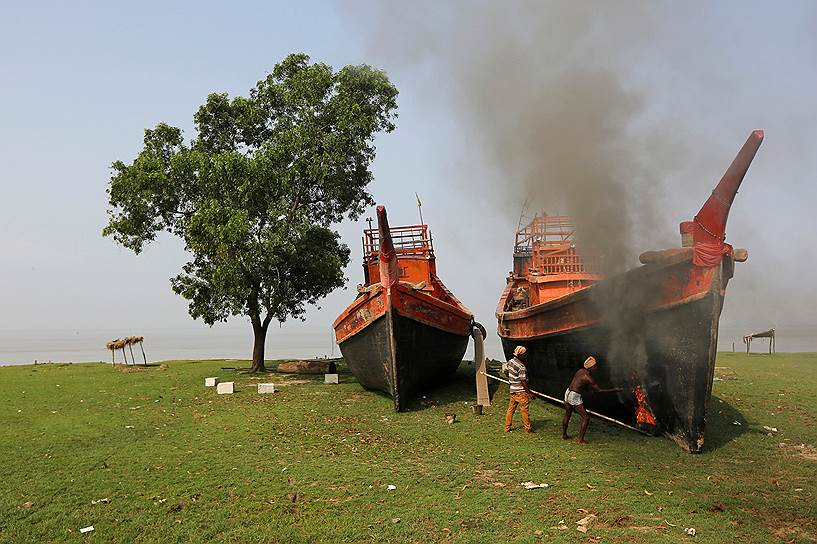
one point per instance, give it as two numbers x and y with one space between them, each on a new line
125 355
143 353
483 397
132 358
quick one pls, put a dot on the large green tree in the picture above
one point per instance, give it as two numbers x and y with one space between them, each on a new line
254 195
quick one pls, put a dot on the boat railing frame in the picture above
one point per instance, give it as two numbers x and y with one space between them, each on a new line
548 241
409 240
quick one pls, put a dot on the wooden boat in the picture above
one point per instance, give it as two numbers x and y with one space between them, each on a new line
405 331
654 328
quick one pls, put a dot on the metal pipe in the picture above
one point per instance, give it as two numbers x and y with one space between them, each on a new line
554 399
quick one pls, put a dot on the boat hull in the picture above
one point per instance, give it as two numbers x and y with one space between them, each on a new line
401 341
655 327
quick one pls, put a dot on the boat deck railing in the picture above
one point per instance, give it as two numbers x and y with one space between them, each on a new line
548 240
566 264
407 240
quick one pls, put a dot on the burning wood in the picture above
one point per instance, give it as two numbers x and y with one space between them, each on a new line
643 415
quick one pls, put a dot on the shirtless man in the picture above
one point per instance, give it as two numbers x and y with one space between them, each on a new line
582 382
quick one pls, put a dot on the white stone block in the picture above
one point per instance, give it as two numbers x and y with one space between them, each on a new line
225 388
266 388
210 382
330 378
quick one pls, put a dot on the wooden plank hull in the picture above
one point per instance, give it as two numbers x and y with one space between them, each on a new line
655 327
401 341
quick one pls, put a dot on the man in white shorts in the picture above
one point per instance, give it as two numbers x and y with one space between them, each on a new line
582 381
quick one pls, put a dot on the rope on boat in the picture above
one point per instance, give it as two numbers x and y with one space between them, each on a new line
560 401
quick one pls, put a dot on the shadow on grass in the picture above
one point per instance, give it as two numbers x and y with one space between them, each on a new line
724 424
460 387
724 421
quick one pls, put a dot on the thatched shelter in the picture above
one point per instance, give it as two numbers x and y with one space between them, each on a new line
131 340
121 343
115 344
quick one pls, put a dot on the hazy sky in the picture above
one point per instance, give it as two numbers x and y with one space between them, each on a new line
81 81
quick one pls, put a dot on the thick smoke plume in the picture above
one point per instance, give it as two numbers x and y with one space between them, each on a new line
541 88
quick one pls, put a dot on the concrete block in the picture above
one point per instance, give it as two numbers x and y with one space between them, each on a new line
266 388
225 388
210 382
330 378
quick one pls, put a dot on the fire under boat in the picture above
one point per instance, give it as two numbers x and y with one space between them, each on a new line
405 331
654 328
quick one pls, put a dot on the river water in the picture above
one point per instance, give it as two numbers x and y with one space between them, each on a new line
230 342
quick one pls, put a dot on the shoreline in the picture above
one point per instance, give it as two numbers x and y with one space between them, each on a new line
275 359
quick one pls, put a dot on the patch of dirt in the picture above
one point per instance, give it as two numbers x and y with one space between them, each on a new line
488 478
139 368
788 530
292 382
340 419
723 373
129 369
805 451
621 521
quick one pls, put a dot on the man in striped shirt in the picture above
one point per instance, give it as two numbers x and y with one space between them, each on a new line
520 392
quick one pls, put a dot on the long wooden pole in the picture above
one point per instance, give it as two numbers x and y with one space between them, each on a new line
554 399
483 397
143 354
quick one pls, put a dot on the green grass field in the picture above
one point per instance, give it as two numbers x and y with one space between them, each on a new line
312 462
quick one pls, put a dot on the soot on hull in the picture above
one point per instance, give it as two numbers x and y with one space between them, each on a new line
654 327
671 354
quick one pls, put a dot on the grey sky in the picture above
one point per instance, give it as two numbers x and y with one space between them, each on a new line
81 81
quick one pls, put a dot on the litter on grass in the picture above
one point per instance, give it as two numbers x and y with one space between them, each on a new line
391 487
106 500
583 524
531 485
87 529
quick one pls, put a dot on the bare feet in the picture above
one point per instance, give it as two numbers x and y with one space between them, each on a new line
583 441
565 437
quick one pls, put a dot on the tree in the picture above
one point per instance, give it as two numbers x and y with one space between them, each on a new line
254 195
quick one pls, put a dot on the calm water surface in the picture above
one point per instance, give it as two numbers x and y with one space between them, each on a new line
81 345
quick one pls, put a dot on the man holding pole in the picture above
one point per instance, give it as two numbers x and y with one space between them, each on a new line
520 392
582 382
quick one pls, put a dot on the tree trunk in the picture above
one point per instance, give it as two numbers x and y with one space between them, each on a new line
259 330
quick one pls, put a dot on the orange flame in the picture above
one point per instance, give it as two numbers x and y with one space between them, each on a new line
643 415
